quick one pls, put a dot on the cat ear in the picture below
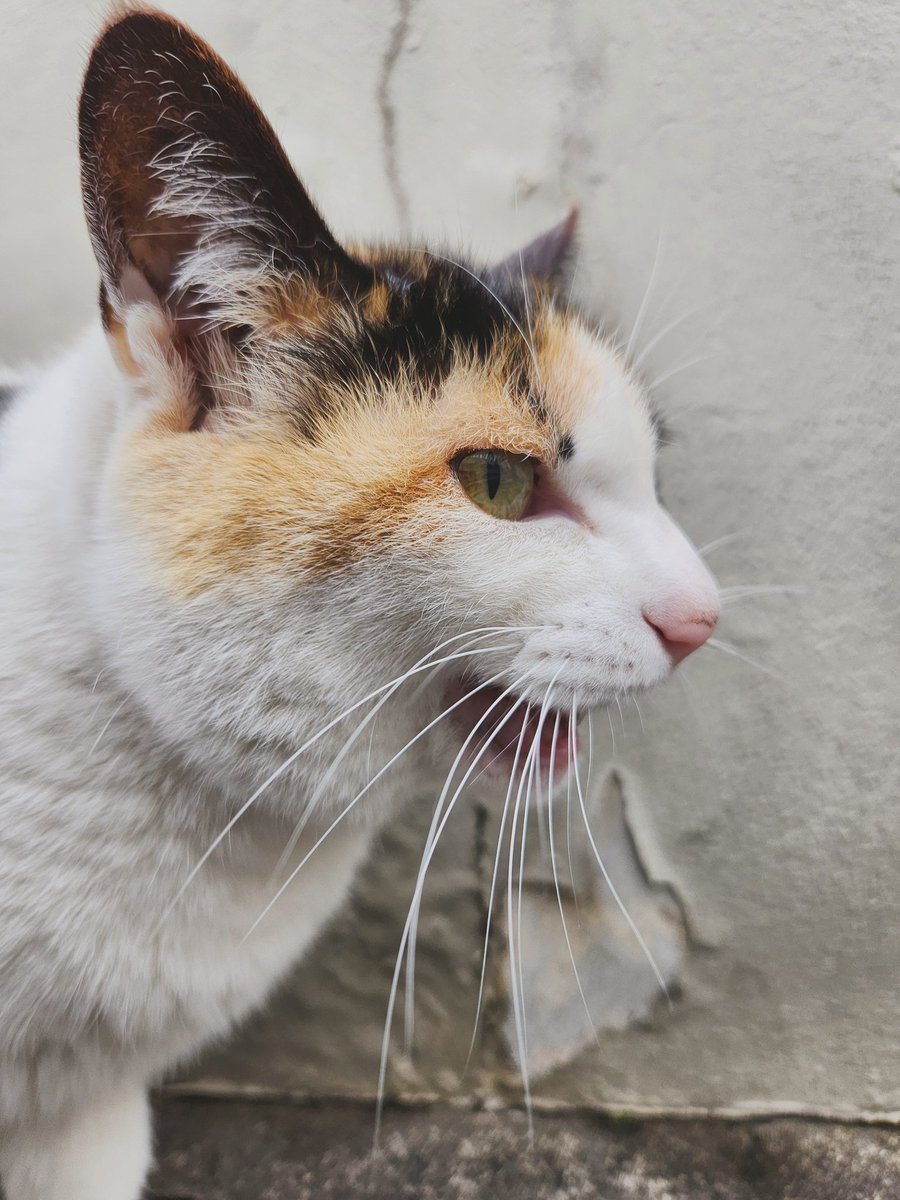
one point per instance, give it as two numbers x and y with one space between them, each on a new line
187 190
544 258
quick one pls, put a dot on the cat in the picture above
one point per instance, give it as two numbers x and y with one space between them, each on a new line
285 492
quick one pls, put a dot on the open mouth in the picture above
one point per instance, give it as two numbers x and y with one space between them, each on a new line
502 729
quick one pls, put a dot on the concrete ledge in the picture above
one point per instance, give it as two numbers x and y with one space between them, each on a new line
251 1150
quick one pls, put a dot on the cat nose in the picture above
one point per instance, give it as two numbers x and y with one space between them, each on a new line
681 630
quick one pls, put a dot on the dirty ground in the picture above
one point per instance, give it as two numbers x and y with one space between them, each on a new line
261 1150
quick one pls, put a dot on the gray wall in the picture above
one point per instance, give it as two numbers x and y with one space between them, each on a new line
749 162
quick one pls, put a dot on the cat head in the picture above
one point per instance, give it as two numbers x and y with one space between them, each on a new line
336 466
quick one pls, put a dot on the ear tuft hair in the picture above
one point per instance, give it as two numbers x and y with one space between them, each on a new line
186 187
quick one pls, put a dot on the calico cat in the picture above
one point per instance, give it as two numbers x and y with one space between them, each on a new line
284 492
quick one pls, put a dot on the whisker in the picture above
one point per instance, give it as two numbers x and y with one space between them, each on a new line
532 768
590 767
729 594
664 332
330 773
562 912
667 375
736 589
525 289
573 745
371 783
727 648
716 543
510 939
642 309
487 766
494 875
535 766
422 665
621 718
420 879
411 948
612 888
112 717
492 293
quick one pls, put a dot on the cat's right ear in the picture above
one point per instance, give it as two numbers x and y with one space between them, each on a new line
544 259
188 193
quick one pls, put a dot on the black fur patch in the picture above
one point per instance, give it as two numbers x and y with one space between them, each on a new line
566 447
435 309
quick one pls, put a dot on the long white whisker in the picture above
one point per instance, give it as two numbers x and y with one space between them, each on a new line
420 880
421 665
112 717
573 747
738 589
525 294
330 773
514 928
642 309
590 766
727 594
667 329
529 787
409 998
621 717
492 293
727 648
612 888
562 912
494 874
718 542
371 783
667 375
510 937
487 766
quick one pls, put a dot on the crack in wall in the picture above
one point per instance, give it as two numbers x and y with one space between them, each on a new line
388 111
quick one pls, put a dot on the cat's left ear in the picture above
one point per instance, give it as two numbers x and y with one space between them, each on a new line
189 195
545 258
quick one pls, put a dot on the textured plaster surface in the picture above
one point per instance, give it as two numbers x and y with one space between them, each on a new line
749 163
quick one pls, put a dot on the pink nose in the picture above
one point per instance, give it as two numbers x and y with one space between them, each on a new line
680 632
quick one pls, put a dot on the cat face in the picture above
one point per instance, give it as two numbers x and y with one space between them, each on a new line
336 467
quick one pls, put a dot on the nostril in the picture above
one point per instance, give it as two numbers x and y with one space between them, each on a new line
681 636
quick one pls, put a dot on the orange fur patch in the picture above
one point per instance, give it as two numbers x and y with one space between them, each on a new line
227 505
572 372
222 505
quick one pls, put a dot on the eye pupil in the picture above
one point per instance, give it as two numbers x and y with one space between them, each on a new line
492 475
499 481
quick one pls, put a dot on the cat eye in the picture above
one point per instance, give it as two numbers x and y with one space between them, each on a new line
499 482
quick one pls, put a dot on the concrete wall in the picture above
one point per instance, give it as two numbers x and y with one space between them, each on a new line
748 160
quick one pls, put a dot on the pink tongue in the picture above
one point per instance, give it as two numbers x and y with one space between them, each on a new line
555 733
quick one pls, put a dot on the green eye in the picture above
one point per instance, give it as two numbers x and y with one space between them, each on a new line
496 481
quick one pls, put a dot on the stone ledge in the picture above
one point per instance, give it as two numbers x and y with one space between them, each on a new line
253 1150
